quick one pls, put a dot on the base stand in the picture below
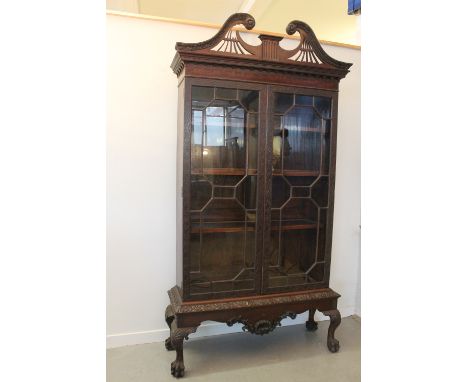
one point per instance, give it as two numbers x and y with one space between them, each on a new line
258 314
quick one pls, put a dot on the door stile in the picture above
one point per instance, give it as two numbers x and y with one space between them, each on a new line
267 187
261 207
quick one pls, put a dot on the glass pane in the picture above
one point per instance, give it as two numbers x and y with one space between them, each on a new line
223 190
323 106
200 193
223 93
195 242
197 128
246 192
301 180
202 96
249 99
322 234
282 102
252 137
303 140
278 137
223 136
326 147
281 191
300 161
319 191
223 180
214 129
304 100
301 192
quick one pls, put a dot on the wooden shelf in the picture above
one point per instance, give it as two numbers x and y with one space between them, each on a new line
313 129
293 224
239 226
296 173
224 171
302 128
241 171
295 227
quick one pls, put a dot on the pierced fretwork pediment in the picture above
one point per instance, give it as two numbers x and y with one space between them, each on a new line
228 44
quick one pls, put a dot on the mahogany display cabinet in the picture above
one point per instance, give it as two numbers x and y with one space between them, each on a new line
255 181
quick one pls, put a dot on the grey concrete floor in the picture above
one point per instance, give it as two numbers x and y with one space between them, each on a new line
287 354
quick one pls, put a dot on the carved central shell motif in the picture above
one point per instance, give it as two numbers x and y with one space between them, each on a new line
260 327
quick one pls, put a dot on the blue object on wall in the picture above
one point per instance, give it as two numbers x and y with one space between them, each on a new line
354 6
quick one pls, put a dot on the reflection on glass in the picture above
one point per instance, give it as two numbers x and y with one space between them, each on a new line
223 189
218 135
304 128
300 160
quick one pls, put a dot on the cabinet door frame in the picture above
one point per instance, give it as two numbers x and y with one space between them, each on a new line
271 89
186 181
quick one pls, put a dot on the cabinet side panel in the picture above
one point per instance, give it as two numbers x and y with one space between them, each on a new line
179 183
331 189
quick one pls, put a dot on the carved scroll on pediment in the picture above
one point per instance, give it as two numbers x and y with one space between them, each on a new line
309 49
226 40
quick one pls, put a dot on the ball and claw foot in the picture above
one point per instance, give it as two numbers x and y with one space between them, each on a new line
311 326
335 320
168 344
333 345
177 369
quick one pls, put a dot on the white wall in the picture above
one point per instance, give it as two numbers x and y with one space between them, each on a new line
141 166
131 6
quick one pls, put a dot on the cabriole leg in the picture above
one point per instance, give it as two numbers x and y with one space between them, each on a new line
335 320
311 325
177 340
169 315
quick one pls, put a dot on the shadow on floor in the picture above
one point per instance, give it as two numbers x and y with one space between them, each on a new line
288 353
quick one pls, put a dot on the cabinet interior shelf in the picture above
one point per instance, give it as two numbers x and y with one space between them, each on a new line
296 173
224 171
242 171
302 128
239 226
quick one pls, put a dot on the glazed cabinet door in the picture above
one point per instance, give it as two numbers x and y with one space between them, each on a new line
298 214
222 257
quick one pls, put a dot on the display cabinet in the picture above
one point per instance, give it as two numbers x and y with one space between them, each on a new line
255 181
